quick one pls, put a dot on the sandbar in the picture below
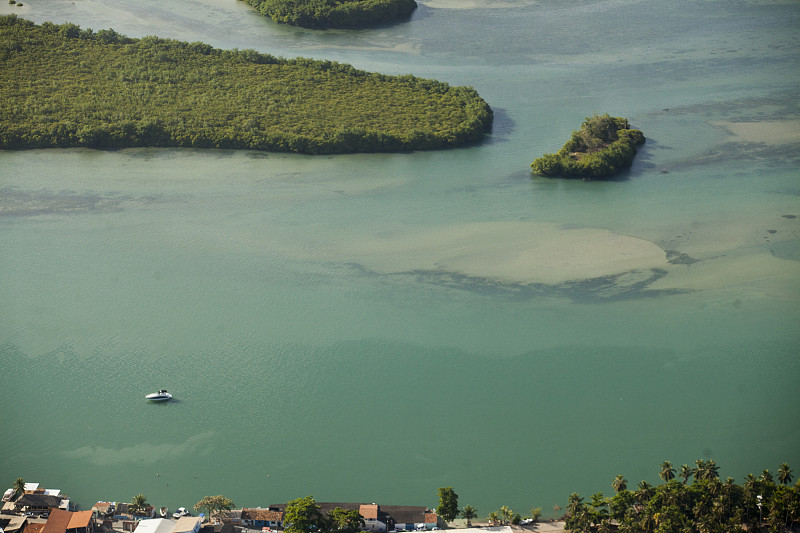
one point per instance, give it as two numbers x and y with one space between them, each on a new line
515 252
769 132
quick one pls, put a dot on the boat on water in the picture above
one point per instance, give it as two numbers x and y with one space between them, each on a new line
163 512
180 513
160 396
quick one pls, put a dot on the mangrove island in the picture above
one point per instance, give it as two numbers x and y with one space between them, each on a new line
64 86
602 147
344 14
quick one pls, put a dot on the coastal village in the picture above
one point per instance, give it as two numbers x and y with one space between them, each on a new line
38 510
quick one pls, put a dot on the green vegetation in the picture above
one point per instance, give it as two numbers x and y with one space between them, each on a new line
707 505
602 147
448 504
302 515
469 513
335 13
19 488
64 87
344 521
138 505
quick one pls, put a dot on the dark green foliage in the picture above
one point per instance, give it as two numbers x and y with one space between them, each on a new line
706 505
603 146
65 87
448 504
335 13
302 515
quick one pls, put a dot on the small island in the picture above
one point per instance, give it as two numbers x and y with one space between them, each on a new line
64 86
343 14
603 147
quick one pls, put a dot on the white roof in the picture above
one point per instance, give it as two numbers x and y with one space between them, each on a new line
155 525
188 524
31 486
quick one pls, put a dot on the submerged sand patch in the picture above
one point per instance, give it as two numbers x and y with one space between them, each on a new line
769 132
475 4
518 252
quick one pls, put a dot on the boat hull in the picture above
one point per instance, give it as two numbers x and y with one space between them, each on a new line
159 397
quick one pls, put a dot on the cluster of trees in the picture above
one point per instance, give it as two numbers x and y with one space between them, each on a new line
602 147
707 505
303 515
448 510
64 86
335 13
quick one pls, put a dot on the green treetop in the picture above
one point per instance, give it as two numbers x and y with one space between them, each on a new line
448 504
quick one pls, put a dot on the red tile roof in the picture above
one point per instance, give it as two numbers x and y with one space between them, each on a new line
80 519
60 520
34 528
368 511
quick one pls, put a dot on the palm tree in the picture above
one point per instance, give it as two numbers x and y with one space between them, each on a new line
506 513
686 472
667 472
574 503
19 488
469 512
645 492
494 517
138 504
784 474
712 470
699 469
766 477
620 483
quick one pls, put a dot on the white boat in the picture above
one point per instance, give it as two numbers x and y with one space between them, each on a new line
163 511
160 396
180 512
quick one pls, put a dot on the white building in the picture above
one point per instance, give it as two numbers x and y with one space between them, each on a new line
155 525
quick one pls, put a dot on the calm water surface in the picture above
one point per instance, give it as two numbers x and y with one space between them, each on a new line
304 310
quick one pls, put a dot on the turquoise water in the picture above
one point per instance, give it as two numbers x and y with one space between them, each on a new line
373 327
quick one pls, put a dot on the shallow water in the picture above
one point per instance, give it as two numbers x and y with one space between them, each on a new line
326 330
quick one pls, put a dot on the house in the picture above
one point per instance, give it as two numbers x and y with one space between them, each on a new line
38 502
61 521
412 517
188 524
34 527
104 509
259 518
232 517
370 512
11 523
156 525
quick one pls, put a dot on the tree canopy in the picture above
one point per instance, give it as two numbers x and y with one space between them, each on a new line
344 521
448 504
19 488
138 504
602 147
706 505
214 505
303 515
67 87
335 13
